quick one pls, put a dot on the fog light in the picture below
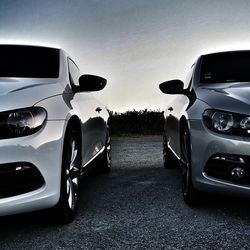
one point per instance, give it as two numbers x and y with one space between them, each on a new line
238 173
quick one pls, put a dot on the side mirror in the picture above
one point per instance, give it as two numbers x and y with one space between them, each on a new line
91 83
172 87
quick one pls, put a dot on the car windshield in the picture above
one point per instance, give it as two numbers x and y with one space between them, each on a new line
28 61
226 67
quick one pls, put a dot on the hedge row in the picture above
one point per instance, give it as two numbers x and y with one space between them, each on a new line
144 122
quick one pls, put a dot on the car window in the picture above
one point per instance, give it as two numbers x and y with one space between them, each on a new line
28 61
74 72
226 67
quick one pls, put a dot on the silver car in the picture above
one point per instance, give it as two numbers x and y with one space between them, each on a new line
51 130
207 125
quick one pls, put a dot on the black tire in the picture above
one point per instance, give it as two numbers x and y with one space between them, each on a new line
70 177
168 159
104 165
190 194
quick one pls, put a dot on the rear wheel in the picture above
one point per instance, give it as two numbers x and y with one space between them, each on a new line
70 177
168 159
104 165
190 194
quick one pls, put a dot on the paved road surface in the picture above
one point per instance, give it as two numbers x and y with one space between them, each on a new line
137 206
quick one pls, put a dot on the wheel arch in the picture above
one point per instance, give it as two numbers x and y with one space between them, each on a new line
74 122
183 122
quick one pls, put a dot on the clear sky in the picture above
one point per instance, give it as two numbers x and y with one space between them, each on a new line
135 44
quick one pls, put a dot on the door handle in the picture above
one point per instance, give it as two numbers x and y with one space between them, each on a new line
98 109
170 109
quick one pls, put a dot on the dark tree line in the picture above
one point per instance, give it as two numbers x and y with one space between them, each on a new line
144 122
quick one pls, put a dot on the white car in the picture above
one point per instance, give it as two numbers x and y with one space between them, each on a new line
51 130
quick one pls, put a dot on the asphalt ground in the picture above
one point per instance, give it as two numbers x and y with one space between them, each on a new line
137 206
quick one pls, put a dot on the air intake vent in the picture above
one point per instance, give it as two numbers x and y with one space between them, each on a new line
19 178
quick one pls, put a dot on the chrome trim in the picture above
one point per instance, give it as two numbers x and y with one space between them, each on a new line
100 151
224 182
173 152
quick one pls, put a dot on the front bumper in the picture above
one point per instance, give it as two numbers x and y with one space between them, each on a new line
204 145
43 150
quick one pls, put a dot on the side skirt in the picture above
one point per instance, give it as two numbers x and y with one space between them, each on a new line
90 164
180 161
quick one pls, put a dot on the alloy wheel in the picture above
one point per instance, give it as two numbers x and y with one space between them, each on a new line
72 175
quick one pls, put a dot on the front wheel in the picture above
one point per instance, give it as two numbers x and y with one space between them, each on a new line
190 194
70 177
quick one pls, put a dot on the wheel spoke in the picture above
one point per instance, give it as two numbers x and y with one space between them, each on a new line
75 182
72 192
72 173
73 168
74 153
70 195
68 187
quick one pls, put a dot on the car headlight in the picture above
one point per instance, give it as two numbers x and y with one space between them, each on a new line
227 122
21 122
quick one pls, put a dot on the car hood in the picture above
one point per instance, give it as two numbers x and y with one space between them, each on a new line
234 97
20 93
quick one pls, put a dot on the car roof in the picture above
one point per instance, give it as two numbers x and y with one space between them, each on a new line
227 52
28 45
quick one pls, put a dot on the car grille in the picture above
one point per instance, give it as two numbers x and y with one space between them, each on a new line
19 178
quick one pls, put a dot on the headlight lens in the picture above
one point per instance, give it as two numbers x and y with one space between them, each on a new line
222 121
226 122
21 122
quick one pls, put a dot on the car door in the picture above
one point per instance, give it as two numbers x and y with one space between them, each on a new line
174 113
92 115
